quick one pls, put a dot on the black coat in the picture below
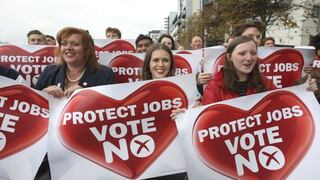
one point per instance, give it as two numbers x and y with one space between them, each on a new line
9 73
56 75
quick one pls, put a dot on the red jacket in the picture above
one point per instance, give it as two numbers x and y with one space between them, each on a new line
215 91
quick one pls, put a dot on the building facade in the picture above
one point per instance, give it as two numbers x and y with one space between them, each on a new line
306 27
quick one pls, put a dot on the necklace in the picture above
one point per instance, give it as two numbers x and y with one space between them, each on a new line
75 80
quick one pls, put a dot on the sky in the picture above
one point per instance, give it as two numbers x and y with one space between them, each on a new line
132 17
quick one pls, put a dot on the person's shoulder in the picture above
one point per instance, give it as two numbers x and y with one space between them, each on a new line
102 75
51 70
53 67
104 68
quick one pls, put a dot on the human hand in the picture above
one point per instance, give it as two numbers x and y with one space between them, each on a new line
197 102
54 90
176 112
311 84
307 69
70 90
203 78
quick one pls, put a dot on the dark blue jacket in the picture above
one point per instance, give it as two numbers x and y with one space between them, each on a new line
56 75
9 73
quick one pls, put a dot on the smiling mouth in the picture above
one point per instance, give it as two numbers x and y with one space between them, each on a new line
247 65
69 54
160 70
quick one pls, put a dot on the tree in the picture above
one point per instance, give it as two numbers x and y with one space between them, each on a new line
221 16
194 26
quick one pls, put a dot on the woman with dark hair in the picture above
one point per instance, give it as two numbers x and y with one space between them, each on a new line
268 42
78 66
240 74
158 62
168 40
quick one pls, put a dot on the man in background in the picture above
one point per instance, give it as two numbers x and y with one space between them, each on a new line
143 42
250 28
50 40
113 33
268 42
196 43
36 37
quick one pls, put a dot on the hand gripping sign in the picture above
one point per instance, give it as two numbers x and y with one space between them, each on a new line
126 136
268 140
23 124
28 60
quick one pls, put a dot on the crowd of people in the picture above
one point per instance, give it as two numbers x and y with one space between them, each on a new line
78 66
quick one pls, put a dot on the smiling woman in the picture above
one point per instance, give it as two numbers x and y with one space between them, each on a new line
240 74
158 62
77 68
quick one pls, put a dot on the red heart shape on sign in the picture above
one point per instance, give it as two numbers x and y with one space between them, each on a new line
117 46
284 66
182 65
132 127
28 64
270 147
22 128
126 68
183 52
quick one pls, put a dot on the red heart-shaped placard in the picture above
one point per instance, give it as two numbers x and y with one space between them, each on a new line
182 65
28 64
292 123
126 68
284 66
117 46
79 138
183 52
31 121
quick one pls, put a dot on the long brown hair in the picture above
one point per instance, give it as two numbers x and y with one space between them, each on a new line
230 77
146 72
90 55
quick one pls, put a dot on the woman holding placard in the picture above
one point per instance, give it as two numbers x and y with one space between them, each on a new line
159 63
240 74
78 68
